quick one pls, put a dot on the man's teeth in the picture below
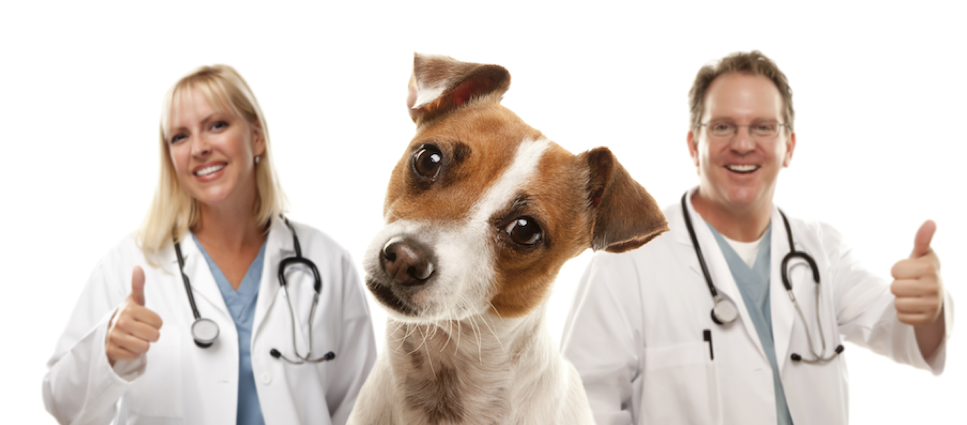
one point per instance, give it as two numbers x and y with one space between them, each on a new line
208 170
742 168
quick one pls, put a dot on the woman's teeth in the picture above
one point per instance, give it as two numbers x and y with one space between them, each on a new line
208 170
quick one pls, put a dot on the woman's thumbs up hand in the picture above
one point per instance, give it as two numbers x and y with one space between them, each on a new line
135 326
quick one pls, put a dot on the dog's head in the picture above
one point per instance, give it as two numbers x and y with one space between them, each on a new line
482 210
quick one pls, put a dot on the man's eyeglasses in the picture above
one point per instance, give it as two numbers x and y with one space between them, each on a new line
759 130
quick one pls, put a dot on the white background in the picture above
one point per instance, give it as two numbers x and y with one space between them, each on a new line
879 95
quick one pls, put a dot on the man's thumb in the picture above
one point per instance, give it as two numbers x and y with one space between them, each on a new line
137 286
921 243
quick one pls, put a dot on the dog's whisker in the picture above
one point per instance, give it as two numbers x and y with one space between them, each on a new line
406 334
408 331
456 346
473 329
426 347
459 324
449 334
493 331
495 311
422 340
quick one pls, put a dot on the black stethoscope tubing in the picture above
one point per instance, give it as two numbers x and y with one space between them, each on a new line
201 326
818 357
202 339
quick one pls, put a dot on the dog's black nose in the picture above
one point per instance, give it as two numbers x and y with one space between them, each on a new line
405 262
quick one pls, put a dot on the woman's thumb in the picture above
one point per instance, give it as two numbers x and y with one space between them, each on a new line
137 286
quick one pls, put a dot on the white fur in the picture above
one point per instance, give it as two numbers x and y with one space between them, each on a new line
425 96
520 172
510 369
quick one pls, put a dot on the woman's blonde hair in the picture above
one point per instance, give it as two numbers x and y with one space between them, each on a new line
173 211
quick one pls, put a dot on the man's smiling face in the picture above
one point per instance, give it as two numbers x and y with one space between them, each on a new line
739 171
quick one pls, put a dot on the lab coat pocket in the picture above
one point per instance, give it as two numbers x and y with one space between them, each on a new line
679 385
158 393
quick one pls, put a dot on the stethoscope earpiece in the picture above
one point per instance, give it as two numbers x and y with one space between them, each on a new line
819 359
325 358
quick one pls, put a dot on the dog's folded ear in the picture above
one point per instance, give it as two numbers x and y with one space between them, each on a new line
440 84
625 216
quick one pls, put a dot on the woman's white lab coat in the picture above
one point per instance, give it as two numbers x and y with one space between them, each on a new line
635 333
176 382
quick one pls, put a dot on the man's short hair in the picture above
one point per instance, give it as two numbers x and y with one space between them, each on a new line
754 63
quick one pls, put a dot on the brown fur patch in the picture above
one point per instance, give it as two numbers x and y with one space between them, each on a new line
437 396
477 146
557 199
625 215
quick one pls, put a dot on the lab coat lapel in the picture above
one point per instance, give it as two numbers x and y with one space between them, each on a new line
278 246
783 310
718 268
201 279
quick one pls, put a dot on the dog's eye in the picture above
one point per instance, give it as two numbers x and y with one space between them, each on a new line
525 231
427 160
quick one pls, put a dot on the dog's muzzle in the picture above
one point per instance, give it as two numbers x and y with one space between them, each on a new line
405 262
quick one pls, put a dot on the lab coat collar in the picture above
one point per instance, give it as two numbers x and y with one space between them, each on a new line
718 268
278 245
207 296
783 310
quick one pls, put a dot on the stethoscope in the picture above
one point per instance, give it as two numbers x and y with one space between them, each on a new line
724 310
205 331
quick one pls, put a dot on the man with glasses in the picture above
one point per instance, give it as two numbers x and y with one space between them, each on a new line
737 315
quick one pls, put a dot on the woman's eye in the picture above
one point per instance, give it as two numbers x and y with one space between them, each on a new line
176 138
218 125
525 231
427 161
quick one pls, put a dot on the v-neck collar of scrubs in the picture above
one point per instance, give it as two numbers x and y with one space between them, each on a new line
242 302
753 283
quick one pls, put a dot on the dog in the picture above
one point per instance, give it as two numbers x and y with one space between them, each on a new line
481 213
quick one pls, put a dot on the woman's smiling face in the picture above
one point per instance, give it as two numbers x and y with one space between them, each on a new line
213 150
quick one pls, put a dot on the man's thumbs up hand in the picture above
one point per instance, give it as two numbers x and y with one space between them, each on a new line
135 326
917 285
921 243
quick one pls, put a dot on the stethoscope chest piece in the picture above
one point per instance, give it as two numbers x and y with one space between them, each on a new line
204 331
724 311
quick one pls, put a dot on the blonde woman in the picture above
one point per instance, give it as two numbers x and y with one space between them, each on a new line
188 322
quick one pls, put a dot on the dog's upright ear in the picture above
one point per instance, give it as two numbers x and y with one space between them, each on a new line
440 84
624 215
